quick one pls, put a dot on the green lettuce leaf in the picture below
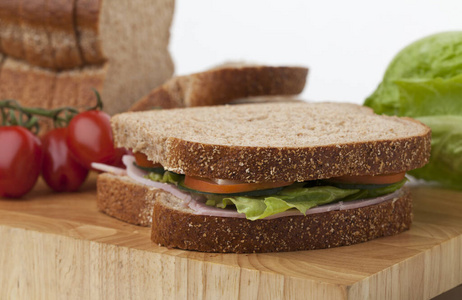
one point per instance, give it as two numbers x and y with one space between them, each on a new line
430 97
435 56
424 80
445 164
166 177
300 198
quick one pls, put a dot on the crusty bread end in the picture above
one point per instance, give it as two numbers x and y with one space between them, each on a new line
124 199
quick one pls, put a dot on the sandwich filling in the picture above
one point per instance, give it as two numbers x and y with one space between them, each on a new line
255 201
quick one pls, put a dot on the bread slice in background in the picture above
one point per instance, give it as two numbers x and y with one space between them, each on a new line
275 142
133 36
224 84
63 37
10 29
87 28
35 18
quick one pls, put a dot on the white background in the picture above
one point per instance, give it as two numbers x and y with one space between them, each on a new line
346 44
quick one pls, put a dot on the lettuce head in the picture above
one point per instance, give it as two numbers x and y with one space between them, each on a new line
424 81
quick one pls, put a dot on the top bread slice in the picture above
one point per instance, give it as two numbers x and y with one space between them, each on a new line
224 84
275 141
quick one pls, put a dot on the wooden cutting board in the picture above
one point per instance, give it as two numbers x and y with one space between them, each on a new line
58 246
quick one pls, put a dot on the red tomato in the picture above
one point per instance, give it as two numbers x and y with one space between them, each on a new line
90 138
143 161
60 170
210 186
20 161
371 179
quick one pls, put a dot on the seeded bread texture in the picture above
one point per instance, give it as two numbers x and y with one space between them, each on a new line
275 142
177 227
224 84
124 199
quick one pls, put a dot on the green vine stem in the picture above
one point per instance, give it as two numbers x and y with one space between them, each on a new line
13 113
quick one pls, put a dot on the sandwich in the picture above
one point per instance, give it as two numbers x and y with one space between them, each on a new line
264 177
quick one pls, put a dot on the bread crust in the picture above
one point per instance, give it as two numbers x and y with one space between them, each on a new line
87 27
40 32
126 200
178 229
222 85
270 164
10 29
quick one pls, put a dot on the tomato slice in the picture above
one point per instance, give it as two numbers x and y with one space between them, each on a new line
143 161
210 186
370 179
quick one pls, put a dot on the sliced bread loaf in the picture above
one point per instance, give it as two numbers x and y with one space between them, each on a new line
129 37
223 84
276 141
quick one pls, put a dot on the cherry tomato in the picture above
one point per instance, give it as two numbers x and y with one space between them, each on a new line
20 161
90 138
60 170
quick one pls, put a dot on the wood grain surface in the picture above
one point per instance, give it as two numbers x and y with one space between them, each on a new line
58 246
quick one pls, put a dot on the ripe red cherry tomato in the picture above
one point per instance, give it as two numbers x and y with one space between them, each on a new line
20 161
90 138
60 170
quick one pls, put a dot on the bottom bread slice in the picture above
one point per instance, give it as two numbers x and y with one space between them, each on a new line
175 226
124 199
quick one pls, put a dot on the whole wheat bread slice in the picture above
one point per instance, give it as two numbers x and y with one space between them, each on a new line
275 142
174 226
122 198
40 32
132 36
10 29
223 84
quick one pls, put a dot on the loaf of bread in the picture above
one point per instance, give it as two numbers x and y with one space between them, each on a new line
125 41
